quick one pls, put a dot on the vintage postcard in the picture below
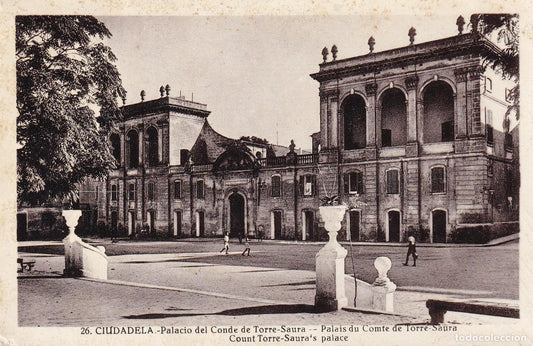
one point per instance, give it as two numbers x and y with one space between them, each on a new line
332 174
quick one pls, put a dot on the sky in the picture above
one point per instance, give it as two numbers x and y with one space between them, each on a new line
253 71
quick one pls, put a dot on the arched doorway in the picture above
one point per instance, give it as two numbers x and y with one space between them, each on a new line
177 223
355 219
393 230
236 215
131 222
308 232
438 226
151 221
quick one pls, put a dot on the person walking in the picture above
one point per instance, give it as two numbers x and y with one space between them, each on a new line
226 243
246 246
411 250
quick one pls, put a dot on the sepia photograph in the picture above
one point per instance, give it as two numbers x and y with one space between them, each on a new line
267 179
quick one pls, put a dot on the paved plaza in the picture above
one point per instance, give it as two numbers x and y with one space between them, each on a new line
191 283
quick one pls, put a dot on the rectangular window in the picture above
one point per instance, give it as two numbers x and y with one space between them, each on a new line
151 192
488 84
200 189
131 192
393 186
508 142
177 189
386 138
437 180
490 135
307 185
447 131
114 194
353 183
276 186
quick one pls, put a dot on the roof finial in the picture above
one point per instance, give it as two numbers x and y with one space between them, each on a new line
162 91
412 34
325 54
474 21
334 51
371 43
167 89
460 24
143 94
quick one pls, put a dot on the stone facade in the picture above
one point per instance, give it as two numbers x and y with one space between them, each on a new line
408 140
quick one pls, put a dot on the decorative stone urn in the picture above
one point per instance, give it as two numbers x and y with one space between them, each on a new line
330 292
82 259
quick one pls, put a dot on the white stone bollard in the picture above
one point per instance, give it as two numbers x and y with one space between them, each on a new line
330 291
382 288
82 259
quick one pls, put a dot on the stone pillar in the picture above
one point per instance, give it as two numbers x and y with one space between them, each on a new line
371 116
141 143
334 120
82 259
473 86
122 147
324 138
411 83
420 120
460 104
382 288
330 290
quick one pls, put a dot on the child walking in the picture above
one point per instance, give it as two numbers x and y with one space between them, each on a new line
226 243
411 250
246 246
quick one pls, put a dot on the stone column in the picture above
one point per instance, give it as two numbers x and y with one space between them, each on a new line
141 143
371 116
474 111
460 104
324 138
411 83
330 289
334 119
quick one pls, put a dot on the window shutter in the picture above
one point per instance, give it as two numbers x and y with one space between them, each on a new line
302 183
360 183
346 183
313 185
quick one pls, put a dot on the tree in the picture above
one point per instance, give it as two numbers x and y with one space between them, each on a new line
64 71
505 27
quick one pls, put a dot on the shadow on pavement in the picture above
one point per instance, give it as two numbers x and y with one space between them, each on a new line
254 310
310 282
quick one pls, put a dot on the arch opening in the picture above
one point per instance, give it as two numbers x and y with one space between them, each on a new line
438 113
354 113
393 118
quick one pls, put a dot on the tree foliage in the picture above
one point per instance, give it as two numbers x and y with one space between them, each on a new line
64 72
506 31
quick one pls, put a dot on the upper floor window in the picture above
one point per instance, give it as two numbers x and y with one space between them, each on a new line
115 147
276 186
177 189
508 144
393 185
200 193
151 191
488 127
353 183
152 146
438 180
131 192
114 192
133 149
488 84
307 185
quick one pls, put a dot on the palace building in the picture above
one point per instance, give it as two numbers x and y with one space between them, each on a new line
414 140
